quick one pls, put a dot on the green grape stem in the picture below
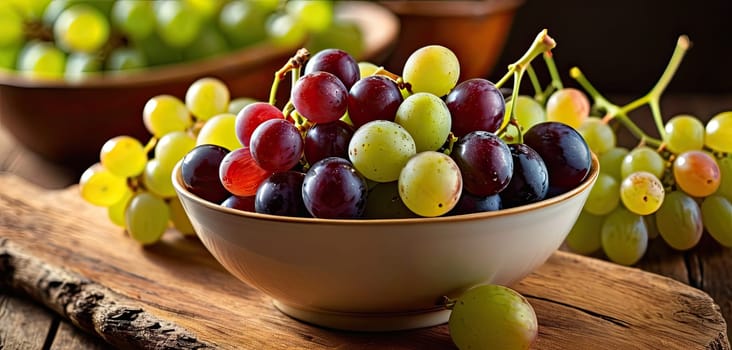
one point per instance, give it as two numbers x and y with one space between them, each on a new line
542 43
652 98
553 72
293 64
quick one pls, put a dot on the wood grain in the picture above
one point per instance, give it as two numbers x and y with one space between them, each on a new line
580 302
68 337
23 325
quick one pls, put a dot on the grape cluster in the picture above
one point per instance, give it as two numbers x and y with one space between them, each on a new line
133 181
75 38
674 187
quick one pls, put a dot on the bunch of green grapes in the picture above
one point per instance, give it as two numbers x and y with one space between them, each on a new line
675 187
133 180
75 38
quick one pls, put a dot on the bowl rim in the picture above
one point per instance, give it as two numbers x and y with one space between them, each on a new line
251 56
585 185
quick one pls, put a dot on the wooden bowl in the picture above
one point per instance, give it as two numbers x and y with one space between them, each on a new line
476 30
67 122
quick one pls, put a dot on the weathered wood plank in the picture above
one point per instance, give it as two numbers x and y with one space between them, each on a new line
69 337
581 302
23 324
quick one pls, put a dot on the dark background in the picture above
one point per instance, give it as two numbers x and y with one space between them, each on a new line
623 46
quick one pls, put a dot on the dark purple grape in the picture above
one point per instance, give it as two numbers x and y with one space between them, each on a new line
564 151
327 140
372 98
200 172
384 202
238 202
281 194
470 203
276 145
530 180
320 97
333 189
336 62
475 104
484 161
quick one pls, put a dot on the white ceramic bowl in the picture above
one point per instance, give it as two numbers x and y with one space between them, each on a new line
377 275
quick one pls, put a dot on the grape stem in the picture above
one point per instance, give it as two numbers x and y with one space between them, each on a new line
542 43
652 98
293 64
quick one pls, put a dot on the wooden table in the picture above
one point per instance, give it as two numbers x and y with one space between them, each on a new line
26 325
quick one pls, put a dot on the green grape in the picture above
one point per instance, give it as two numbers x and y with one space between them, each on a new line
177 23
679 221
569 106
344 35
40 59
285 31
624 236
696 173
158 179
725 183
717 217
643 159
604 196
426 117
584 237
124 156
315 15
135 18
53 10
9 57
210 43
156 51
718 132
207 8
642 193
367 69
493 317
598 135
80 65
379 150
528 112
612 160
430 184
207 97
684 133
172 147
650 221
434 69
11 23
30 9
243 22
165 113
116 211
101 187
220 131
237 104
81 28
383 202
146 218
180 219
125 58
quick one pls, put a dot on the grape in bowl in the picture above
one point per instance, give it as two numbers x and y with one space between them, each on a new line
381 274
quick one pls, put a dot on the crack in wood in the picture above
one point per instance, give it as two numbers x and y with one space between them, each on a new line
613 320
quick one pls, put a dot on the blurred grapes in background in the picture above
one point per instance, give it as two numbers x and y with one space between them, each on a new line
623 46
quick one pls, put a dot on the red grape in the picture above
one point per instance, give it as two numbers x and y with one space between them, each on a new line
251 116
281 194
320 97
485 162
276 145
475 104
333 189
240 174
241 203
564 151
200 172
327 140
336 62
373 97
